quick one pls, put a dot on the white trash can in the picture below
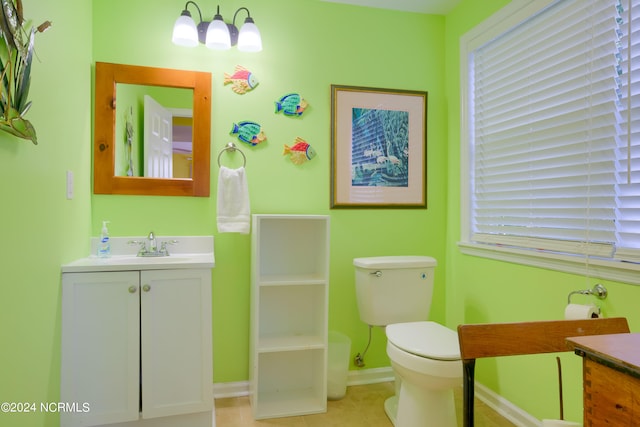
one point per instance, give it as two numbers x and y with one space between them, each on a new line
337 365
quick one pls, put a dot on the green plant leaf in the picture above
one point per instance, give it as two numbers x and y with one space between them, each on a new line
16 55
18 126
23 80
9 23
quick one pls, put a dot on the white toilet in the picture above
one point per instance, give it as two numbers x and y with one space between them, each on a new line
395 292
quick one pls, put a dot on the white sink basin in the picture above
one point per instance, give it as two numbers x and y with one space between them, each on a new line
128 259
200 256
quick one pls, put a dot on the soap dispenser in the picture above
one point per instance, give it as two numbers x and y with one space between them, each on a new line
104 247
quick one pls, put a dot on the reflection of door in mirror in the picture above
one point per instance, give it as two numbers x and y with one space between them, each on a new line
151 139
158 140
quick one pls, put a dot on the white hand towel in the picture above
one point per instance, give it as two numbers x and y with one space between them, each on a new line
234 213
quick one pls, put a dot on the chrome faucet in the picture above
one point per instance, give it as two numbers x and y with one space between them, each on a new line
149 247
152 243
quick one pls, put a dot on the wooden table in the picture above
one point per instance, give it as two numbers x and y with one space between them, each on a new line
611 378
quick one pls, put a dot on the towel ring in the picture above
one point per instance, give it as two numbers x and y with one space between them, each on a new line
232 147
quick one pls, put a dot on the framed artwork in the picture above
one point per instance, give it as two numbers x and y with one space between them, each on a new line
378 148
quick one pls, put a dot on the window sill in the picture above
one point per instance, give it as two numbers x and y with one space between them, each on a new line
618 271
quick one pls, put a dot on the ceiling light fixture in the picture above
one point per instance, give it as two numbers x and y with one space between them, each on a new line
216 34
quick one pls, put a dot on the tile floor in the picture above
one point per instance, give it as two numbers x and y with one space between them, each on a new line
362 406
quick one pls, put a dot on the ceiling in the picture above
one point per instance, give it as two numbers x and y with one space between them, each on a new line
435 7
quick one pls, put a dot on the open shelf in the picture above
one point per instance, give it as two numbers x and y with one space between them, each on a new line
290 403
289 299
293 246
290 311
290 343
291 383
284 280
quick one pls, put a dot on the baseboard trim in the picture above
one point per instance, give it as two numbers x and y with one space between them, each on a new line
358 377
370 376
505 408
377 375
234 389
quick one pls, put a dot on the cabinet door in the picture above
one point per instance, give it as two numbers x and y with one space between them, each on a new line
177 372
100 347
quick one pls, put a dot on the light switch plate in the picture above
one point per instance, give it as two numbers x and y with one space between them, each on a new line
69 185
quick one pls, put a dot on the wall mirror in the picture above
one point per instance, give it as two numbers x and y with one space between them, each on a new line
152 131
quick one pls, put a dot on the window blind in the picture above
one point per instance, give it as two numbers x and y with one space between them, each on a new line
628 147
545 108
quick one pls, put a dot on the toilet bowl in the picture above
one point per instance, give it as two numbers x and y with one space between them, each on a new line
395 292
425 357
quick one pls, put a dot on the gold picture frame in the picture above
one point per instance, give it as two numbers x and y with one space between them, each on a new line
378 148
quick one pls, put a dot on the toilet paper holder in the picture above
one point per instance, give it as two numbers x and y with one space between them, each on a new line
598 291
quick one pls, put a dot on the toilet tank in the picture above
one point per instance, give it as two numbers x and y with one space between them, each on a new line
394 289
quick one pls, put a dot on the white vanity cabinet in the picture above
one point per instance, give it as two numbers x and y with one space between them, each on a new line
289 298
137 346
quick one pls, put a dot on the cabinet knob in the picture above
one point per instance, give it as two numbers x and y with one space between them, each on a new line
146 288
132 289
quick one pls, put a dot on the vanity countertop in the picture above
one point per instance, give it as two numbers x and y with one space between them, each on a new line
188 252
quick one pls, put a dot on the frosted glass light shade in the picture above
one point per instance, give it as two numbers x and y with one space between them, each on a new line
218 36
185 32
249 39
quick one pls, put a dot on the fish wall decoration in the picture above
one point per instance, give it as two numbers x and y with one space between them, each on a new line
300 152
241 81
249 132
291 104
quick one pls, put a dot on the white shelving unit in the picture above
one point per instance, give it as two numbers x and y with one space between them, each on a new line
289 298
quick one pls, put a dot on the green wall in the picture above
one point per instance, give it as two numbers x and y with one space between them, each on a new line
309 45
40 229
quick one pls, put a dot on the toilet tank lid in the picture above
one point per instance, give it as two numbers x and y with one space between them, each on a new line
410 261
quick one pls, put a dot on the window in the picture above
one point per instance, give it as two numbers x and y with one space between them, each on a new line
551 129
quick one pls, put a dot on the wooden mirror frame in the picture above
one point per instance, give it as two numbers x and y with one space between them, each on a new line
104 179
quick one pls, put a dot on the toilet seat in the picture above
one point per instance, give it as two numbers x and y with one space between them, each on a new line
425 339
